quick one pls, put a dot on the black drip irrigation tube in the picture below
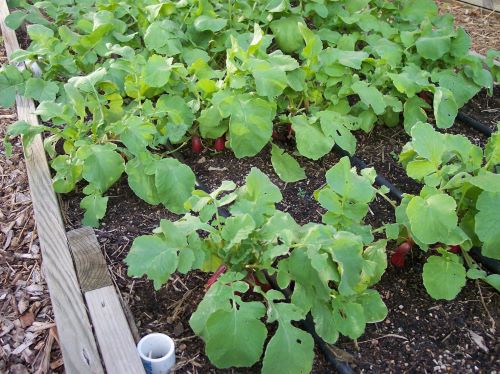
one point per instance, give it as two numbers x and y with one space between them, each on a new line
473 123
308 324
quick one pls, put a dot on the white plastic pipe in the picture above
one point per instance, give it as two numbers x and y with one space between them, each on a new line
157 352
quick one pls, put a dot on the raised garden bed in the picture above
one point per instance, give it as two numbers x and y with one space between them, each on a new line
418 333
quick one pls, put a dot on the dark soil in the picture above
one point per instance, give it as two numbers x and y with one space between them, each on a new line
419 335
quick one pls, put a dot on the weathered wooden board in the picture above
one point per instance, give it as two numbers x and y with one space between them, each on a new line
115 340
488 4
90 264
111 328
77 341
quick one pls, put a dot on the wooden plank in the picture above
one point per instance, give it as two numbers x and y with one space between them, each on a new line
111 327
90 264
77 341
115 340
488 4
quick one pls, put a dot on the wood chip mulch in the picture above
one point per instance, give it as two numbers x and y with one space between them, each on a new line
483 25
28 334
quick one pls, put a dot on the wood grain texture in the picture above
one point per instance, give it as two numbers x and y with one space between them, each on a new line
488 4
77 341
90 264
116 343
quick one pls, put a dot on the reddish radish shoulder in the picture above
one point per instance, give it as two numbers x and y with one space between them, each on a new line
196 145
220 143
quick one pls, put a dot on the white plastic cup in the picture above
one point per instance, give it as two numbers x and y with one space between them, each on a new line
157 352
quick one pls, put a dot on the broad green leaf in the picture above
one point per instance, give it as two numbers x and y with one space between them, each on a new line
487 181
487 223
135 133
349 317
427 142
41 90
336 126
15 19
463 89
250 124
288 341
211 124
157 71
163 37
11 82
236 338
414 112
269 80
39 33
434 46
95 208
237 228
174 182
346 250
180 117
287 168
206 23
417 10
445 107
352 59
323 322
102 166
374 308
152 256
444 276
433 219
287 33
348 184
461 44
257 197
142 183
311 142
370 96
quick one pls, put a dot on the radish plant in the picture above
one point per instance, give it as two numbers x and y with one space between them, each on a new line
457 206
327 270
126 78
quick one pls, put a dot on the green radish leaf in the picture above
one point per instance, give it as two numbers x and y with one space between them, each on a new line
336 126
102 166
152 256
95 208
311 142
487 228
433 219
174 183
445 107
237 229
163 37
287 33
257 197
370 95
250 124
206 23
414 112
11 82
41 90
287 168
180 117
433 46
288 340
444 276
157 71
15 19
